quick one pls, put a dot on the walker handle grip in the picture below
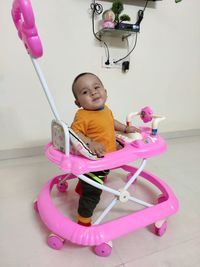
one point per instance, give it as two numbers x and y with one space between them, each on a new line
156 120
23 17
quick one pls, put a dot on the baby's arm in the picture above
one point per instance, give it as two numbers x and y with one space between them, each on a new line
95 148
124 128
78 126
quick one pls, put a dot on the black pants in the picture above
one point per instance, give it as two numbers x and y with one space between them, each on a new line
90 195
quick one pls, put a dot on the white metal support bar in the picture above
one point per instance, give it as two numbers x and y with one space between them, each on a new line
141 202
105 212
97 185
114 201
51 102
45 88
136 174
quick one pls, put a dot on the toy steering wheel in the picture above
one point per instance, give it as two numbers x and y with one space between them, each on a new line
146 114
24 21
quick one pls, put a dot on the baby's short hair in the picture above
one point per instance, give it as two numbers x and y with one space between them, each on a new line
79 76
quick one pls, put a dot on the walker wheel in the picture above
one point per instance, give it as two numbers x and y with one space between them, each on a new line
159 231
129 176
55 242
35 206
62 187
103 250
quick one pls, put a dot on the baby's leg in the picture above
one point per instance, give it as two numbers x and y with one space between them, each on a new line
89 198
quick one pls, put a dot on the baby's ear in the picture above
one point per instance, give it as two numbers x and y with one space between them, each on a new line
77 103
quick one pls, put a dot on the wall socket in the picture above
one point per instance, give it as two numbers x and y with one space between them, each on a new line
112 65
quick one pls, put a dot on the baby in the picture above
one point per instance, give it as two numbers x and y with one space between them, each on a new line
95 125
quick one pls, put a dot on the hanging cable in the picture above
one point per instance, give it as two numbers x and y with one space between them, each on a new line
116 61
145 5
140 17
97 9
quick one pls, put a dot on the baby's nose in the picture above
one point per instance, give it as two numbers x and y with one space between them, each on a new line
93 92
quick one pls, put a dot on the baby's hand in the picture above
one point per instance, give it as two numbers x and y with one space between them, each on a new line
132 129
97 148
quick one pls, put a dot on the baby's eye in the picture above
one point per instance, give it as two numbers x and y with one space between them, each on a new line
85 92
96 87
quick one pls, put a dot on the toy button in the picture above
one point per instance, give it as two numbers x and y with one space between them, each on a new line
137 143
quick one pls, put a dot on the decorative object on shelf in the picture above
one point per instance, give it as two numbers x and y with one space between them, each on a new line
117 8
108 19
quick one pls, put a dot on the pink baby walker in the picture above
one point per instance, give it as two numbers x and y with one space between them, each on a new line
73 166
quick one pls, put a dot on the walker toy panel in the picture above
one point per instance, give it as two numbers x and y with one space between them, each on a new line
77 146
58 136
146 147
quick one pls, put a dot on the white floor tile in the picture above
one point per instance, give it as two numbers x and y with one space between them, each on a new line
185 254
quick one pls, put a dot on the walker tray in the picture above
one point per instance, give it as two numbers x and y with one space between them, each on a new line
147 147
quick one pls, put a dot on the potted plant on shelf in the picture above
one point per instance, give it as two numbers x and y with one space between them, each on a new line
117 8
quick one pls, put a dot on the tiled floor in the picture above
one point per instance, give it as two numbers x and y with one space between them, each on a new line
23 235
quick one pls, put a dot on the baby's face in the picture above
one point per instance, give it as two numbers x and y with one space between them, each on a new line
90 93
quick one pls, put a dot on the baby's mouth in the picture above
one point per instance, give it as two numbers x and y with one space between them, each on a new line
96 99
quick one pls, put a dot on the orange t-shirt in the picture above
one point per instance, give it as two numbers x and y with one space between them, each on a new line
98 125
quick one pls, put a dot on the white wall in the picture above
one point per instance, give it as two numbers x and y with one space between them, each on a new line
164 70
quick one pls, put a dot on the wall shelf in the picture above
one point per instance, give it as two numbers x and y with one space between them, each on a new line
119 33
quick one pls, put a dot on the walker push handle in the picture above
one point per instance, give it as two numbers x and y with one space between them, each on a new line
23 17
146 114
24 21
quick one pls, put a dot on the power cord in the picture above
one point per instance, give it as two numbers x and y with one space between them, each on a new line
116 61
97 9
140 17
145 5
141 14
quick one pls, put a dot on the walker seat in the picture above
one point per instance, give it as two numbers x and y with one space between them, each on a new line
146 147
149 143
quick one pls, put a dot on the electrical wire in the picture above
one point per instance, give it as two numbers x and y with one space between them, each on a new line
145 5
116 61
97 9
